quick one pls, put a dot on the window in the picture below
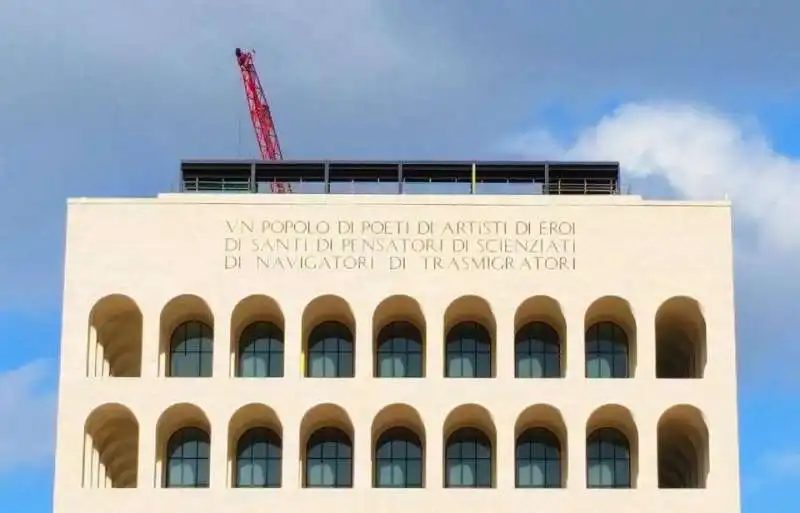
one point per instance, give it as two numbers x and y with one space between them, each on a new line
188 452
468 459
191 352
329 459
538 459
398 459
399 352
469 351
261 351
607 351
258 459
538 351
608 459
330 351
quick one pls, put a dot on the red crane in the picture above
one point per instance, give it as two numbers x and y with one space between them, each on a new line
266 135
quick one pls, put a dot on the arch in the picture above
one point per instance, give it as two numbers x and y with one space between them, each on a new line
398 448
540 435
183 436
540 341
257 338
328 338
255 447
115 338
187 337
470 439
327 427
111 448
680 339
611 448
398 327
683 440
610 340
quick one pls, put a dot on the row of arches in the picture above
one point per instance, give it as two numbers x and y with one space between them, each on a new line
399 345
398 453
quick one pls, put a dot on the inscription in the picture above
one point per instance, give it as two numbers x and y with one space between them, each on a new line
398 245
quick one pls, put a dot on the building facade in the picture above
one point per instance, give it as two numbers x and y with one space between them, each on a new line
469 353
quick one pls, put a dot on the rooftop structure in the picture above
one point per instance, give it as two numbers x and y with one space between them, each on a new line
401 177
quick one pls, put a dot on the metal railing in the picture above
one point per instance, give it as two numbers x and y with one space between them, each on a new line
238 185
215 185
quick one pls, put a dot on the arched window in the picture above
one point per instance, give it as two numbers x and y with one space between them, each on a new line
608 459
330 351
398 459
188 453
607 351
329 459
538 351
469 351
191 351
538 459
261 351
258 459
399 352
468 459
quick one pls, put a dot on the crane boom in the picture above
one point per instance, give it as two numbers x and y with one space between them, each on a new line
266 135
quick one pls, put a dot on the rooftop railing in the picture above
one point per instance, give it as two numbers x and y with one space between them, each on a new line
433 177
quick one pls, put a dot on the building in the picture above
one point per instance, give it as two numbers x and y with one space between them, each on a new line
568 346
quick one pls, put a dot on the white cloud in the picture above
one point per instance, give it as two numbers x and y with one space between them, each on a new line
702 154
27 430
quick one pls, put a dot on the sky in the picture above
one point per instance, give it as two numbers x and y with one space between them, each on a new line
696 99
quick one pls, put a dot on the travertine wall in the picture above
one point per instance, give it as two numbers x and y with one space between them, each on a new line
137 268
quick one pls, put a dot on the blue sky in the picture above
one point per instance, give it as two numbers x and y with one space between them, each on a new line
697 99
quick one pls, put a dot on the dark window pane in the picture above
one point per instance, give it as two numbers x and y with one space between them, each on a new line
411 365
343 472
345 365
484 366
620 365
413 475
553 474
484 473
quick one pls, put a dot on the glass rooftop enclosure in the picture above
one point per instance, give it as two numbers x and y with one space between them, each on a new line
396 177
